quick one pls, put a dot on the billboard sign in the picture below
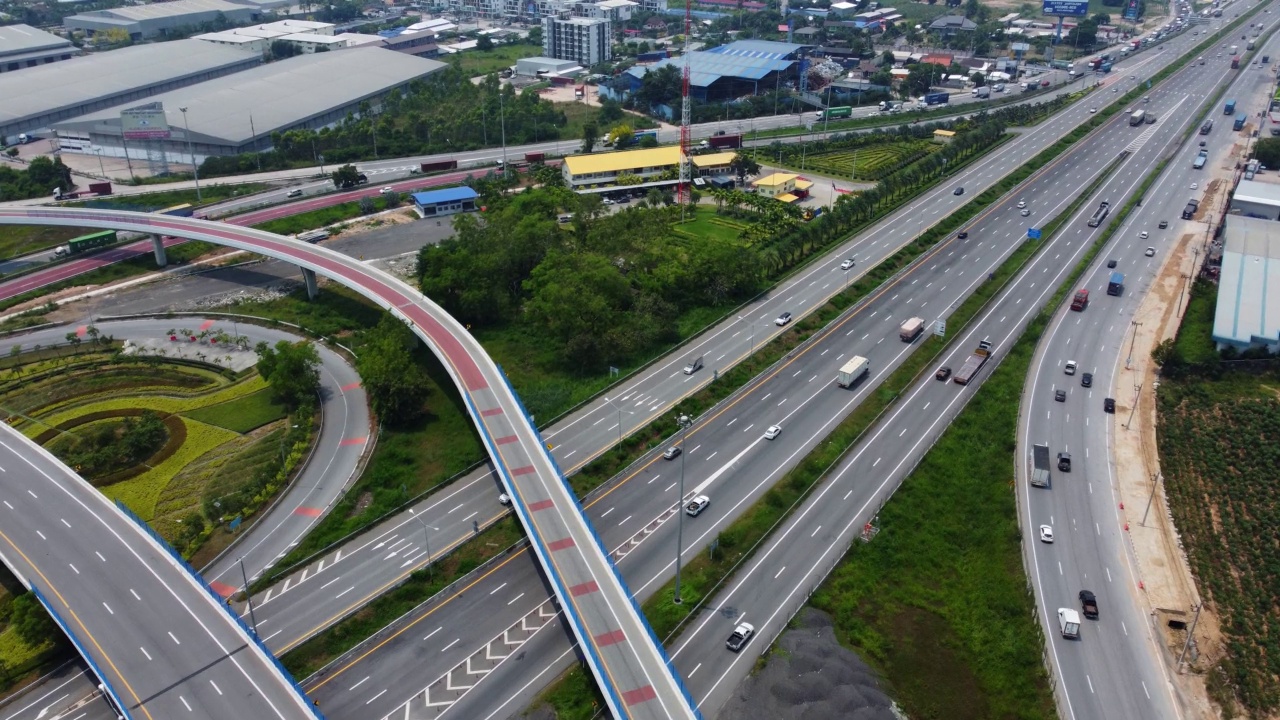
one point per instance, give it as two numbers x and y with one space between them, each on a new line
1131 10
145 122
1064 8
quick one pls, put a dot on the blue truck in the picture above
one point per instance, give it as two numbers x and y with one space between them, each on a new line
1241 119
1115 286
939 98
1229 108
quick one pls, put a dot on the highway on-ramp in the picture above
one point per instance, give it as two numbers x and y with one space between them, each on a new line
160 641
629 665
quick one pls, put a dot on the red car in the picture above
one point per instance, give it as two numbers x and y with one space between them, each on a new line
1044 83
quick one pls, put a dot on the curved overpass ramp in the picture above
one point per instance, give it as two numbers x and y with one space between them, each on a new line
634 674
156 638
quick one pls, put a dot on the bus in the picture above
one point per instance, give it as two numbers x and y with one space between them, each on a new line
837 112
183 210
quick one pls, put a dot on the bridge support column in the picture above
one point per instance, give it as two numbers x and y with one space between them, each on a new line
157 244
309 277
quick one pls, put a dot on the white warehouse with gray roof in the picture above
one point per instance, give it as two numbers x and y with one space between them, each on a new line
239 113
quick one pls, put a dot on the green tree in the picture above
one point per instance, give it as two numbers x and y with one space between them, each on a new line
535 35
397 386
1100 19
579 299
648 141
659 87
31 621
622 135
610 111
744 165
346 176
291 369
590 135
281 49
484 43
1267 151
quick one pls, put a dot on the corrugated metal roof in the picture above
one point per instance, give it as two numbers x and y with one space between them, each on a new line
1248 310
749 59
21 38
453 194
624 160
1262 193
282 94
164 9
713 159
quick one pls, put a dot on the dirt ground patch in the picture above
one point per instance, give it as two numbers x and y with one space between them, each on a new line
810 675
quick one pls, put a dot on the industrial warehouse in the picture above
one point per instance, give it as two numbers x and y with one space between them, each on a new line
37 97
743 67
239 114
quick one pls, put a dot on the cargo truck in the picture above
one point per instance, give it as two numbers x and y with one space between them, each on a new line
843 111
1115 286
1229 108
854 370
439 165
1040 465
100 188
1235 49
1137 117
1207 127
982 92
1106 67
1201 158
939 98
1100 214
1069 623
85 242
1250 46
534 157
911 329
1235 62
725 142
1080 301
1240 121
1190 210
973 363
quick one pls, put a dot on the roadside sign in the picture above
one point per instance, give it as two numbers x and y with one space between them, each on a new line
1033 233
940 329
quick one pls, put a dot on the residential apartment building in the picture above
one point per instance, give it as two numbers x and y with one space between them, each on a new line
586 41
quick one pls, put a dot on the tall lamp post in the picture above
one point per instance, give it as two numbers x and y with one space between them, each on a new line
753 332
685 421
194 167
620 411
427 539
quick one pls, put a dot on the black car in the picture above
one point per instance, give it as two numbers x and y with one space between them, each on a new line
1164 224
962 235
1086 380
943 373
1109 405
1064 462
1089 604
1060 395
958 191
1111 263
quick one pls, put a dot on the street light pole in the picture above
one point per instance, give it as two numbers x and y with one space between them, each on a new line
684 422
248 598
753 332
1132 342
194 167
426 537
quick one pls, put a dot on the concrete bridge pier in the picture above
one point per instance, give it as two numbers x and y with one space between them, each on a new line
309 277
157 244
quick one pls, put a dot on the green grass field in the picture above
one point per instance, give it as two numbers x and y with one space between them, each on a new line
242 414
869 163
706 223
476 62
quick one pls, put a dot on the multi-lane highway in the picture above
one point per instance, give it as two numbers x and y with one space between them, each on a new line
160 642
629 665
445 632
1118 667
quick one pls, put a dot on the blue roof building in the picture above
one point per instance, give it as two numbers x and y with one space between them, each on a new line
743 67
1248 310
446 201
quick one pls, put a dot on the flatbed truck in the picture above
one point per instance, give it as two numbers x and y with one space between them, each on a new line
973 363
1040 465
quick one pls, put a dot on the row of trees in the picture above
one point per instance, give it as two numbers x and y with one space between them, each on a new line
39 179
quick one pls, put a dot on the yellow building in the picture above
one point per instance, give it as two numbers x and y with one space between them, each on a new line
944 136
713 164
602 169
787 187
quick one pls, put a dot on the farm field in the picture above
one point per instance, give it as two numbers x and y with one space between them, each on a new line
868 163
1218 452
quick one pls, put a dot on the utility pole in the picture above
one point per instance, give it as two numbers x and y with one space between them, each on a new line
1155 481
195 168
1137 395
1132 342
426 538
248 598
1191 632
685 422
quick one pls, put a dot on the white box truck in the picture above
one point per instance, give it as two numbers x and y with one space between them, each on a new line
1069 623
911 329
853 371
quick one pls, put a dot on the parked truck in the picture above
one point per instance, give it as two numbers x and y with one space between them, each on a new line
973 363
1190 210
1229 108
1115 286
1201 158
1137 117
85 242
938 98
1069 623
852 371
1040 465
1241 119
1100 214
911 329
439 165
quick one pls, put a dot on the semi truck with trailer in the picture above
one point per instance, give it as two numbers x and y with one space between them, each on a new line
1100 214
85 242
1115 286
973 363
439 165
722 142
939 98
911 329
853 371
1040 465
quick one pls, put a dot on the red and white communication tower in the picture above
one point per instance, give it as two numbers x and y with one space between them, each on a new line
685 112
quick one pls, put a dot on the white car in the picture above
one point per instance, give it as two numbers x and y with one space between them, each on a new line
388 190
773 432
783 319
1025 212
697 505
1070 367
740 636
1093 111
1195 186
846 264
504 499
1151 252
1022 204
1143 234
1046 534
